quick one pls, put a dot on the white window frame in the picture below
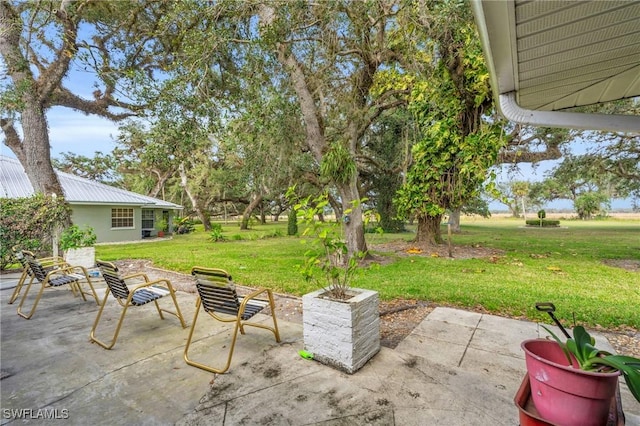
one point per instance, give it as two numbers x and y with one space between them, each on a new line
122 209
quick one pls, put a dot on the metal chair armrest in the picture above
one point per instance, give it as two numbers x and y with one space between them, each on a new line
70 269
253 296
51 259
54 263
133 288
138 275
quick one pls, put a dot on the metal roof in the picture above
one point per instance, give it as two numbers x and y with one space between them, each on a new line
14 183
547 56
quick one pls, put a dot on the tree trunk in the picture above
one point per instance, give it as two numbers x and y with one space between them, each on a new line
454 220
244 225
352 222
513 208
315 135
428 233
34 153
33 150
202 214
263 216
337 207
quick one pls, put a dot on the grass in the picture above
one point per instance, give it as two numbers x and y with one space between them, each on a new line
562 265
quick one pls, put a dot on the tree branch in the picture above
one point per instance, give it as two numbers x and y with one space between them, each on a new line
63 97
10 27
526 156
50 79
12 139
379 109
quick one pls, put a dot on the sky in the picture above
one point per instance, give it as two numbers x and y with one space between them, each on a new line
76 132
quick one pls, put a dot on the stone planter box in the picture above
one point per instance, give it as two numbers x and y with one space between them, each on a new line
83 256
342 334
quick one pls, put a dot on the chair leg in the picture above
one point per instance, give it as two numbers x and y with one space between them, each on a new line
273 329
35 303
203 366
16 291
117 331
93 290
177 312
272 305
76 289
193 326
158 309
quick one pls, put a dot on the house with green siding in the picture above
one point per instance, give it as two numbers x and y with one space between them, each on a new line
115 214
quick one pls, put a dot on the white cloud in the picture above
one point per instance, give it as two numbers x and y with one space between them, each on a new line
71 131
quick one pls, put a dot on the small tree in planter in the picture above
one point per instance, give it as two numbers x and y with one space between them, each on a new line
77 244
162 226
341 324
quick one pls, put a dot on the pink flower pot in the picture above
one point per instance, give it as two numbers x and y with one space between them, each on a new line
565 394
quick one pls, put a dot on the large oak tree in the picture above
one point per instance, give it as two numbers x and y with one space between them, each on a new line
39 44
459 144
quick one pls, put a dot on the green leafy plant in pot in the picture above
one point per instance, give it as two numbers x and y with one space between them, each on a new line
341 323
162 226
78 245
74 237
590 358
573 382
328 262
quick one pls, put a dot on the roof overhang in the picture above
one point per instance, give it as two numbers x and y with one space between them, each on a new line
167 206
545 57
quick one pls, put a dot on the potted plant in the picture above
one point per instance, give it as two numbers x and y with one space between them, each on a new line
341 324
162 226
573 382
77 245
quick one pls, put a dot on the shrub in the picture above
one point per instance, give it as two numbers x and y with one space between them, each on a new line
292 223
185 226
216 232
28 223
162 225
276 233
545 223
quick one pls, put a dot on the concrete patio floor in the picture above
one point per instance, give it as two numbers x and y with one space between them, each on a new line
456 368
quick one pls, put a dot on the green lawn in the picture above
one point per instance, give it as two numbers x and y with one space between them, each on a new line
564 266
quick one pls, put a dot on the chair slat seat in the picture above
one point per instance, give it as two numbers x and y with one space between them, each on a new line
54 274
138 295
62 280
144 296
217 295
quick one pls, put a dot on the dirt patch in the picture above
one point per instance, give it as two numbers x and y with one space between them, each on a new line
399 317
632 265
401 248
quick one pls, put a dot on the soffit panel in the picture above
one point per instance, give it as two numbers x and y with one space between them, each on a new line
572 53
560 80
